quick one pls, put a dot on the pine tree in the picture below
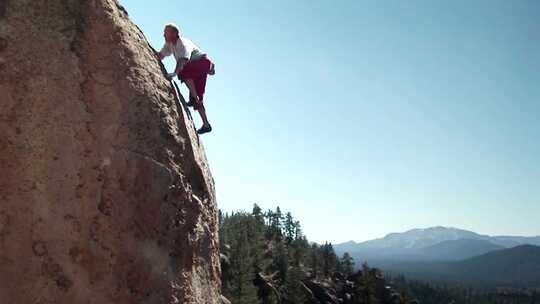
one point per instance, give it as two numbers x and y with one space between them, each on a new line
293 286
346 264
298 251
220 218
365 286
257 213
243 234
290 228
269 218
276 225
221 234
314 259
329 259
273 245
297 230
241 287
280 261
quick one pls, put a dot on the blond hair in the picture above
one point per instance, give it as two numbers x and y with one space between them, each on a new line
174 27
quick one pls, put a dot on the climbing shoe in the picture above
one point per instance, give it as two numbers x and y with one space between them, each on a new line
204 129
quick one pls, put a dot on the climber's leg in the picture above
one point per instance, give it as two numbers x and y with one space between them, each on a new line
198 103
193 96
194 74
206 125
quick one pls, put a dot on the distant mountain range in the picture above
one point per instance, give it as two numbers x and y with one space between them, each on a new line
458 249
453 255
435 243
510 267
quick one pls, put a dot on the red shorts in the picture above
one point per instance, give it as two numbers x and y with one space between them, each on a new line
198 71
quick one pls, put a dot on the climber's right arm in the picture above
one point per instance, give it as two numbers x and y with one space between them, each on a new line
164 52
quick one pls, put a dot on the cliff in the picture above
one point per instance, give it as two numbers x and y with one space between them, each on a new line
105 192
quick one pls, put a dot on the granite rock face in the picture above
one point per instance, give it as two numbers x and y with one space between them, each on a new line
105 191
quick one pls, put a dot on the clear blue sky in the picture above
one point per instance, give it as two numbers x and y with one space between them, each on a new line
369 117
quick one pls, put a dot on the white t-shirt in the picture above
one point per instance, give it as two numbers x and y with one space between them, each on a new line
184 48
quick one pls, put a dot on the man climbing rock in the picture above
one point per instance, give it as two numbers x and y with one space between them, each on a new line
192 67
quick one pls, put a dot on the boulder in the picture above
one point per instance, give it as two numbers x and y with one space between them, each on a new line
105 194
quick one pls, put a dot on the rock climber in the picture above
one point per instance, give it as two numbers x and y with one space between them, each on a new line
192 67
